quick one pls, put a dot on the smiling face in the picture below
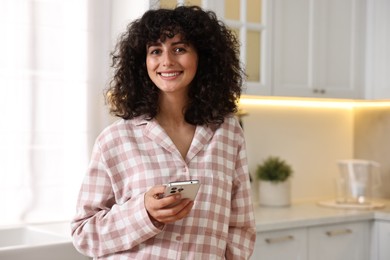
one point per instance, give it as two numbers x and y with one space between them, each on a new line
171 64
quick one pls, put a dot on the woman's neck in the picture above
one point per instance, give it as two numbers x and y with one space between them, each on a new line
171 110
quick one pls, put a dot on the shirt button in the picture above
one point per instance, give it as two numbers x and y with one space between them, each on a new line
178 238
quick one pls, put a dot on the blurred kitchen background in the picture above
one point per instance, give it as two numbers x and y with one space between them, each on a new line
318 91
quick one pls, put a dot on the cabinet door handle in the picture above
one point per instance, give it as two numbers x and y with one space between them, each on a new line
278 239
338 232
319 91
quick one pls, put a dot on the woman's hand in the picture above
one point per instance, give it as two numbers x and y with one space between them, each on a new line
161 209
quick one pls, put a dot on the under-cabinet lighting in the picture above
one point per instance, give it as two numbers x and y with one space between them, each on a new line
312 102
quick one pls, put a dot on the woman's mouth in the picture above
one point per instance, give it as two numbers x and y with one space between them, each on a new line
169 74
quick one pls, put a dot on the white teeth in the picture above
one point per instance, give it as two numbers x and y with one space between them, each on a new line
169 74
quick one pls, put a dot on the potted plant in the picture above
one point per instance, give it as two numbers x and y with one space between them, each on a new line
274 182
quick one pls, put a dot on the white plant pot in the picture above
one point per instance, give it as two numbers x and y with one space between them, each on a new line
274 194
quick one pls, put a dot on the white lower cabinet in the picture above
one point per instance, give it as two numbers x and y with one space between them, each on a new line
340 242
288 244
344 241
383 240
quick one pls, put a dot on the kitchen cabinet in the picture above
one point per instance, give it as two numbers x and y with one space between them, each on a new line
310 48
326 49
250 22
340 241
319 48
378 50
382 240
281 245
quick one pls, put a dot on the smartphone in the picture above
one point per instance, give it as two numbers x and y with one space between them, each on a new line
187 189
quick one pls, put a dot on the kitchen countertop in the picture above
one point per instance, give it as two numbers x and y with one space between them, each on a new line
308 214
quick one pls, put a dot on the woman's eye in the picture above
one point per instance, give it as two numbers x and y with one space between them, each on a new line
154 52
180 50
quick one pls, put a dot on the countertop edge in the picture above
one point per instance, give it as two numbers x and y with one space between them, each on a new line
310 214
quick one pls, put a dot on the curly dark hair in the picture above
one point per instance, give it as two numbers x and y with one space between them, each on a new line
217 85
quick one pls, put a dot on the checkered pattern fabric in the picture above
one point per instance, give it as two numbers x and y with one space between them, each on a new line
131 156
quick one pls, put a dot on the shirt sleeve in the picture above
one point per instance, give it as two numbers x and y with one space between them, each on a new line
242 231
102 226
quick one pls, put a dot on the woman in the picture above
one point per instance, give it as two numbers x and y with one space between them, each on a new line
176 82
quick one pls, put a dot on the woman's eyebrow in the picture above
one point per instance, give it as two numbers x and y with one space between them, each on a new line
180 42
153 44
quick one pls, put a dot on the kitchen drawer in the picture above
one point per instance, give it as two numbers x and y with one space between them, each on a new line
280 245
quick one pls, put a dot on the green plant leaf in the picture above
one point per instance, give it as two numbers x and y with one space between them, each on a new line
273 169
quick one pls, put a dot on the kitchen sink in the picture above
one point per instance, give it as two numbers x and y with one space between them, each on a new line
27 236
40 242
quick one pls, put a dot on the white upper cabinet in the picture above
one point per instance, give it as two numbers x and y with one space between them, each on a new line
250 21
378 50
310 48
318 48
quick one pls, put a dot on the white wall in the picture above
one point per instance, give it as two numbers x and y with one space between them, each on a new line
123 12
372 141
311 139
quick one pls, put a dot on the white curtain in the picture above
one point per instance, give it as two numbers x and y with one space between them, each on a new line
54 65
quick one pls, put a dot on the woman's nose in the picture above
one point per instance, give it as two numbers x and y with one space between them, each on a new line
168 59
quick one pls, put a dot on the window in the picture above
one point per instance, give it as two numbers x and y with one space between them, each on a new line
51 83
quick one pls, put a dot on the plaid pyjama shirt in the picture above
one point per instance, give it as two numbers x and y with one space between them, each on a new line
131 156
